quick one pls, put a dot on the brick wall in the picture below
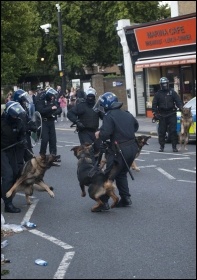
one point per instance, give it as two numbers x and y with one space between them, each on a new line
186 7
116 85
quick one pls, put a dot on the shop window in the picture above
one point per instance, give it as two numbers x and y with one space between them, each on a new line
186 86
172 73
152 75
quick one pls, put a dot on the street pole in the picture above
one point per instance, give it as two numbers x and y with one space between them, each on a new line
62 70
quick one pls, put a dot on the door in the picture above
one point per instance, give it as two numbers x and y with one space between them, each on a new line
140 95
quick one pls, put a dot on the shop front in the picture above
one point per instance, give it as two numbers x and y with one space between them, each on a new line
165 48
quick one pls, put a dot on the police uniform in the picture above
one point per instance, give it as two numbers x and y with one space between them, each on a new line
120 126
44 107
12 154
86 119
164 107
23 98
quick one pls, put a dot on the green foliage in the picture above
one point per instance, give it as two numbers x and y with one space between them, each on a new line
19 44
88 29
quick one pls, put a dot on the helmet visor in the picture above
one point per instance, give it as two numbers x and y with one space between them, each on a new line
97 107
15 109
25 97
51 91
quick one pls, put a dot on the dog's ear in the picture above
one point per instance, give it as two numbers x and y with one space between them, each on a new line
75 148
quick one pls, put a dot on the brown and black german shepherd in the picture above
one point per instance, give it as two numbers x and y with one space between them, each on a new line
32 177
186 122
97 184
141 141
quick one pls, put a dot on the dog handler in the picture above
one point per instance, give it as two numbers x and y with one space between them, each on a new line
86 119
13 142
119 126
164 107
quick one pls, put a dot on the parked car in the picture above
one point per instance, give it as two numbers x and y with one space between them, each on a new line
192 132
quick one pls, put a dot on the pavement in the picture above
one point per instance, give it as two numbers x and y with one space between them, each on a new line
145 125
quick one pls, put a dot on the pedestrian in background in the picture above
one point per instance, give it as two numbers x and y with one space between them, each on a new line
63 105
71 103
9 97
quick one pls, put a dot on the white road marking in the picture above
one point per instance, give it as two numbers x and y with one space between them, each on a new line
164 153
147 166
60 273
139 159
30 211
62 269
187 170
52 239
22 194
165 173
194 182
171 158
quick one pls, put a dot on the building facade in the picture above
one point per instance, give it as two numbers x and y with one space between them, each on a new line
166 48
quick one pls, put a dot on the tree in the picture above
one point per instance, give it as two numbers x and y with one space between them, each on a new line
19 43
89 33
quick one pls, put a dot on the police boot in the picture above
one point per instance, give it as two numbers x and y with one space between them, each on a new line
161 149
174 148
10 208
124 201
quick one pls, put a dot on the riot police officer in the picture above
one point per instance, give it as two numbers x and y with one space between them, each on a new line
13 141
119 126
164 107
49 108
86 119
23 98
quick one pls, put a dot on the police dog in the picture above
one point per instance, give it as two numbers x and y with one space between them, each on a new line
186 122
96 182
141 141
32 177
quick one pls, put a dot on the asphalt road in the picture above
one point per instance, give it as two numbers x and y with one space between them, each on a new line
155 238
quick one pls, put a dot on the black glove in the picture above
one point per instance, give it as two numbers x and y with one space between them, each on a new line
23 144
80 126
155 118
103 147
32 126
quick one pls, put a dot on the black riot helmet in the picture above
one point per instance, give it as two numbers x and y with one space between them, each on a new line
14 109
107 101
164 83
50 92
21 96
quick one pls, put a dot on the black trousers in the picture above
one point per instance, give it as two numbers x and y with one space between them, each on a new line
48 137
11 166
169 124
120 174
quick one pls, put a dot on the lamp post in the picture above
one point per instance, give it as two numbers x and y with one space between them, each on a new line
61 56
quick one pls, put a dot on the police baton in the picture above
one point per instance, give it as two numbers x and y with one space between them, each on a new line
120 151
20 142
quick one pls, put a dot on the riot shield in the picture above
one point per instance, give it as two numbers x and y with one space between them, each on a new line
36 136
